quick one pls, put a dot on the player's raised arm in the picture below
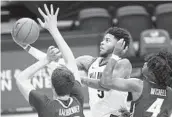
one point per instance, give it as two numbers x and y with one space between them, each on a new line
23 79
122 69
50 24
36 53
117 70
31 50
119 83
93 83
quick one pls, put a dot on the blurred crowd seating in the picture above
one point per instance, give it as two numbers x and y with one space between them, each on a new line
150 27
149 33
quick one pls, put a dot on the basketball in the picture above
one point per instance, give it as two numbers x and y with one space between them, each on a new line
25 31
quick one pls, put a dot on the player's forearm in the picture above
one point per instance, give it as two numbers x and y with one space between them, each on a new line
39 55
35 52
30 71
107 74
108 71
23 79
63 46
66 52
93 83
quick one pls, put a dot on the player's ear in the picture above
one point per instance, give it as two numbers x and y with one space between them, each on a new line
151 73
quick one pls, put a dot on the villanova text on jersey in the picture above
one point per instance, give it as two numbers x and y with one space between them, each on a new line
96 75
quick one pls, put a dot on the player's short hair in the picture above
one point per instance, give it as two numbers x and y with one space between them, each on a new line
62 80
120 33
159 65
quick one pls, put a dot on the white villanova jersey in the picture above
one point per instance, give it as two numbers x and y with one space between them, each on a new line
104 103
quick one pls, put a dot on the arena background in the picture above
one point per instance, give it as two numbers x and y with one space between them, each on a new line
83 32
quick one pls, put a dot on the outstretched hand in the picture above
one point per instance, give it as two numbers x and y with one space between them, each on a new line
53 54
50 18
120 48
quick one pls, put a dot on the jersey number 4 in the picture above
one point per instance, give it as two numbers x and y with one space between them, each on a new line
155 108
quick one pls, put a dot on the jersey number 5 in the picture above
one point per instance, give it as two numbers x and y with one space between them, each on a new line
100 94
155 108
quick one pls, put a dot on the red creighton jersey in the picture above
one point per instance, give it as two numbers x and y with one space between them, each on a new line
46 107
154 101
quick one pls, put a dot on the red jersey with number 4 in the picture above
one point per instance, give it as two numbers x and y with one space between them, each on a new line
154 101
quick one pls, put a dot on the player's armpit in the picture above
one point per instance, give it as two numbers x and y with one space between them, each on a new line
93 83
84 62
127 85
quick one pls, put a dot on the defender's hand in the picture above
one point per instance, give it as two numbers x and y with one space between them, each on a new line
50 18
119 48
53 54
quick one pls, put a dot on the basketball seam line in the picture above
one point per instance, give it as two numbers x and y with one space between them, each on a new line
21 27
38 30
28 33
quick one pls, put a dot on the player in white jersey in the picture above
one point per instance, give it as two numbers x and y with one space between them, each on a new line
103 102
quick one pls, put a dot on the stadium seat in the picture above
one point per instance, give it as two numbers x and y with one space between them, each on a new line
135 19
94 19
153 40
163 15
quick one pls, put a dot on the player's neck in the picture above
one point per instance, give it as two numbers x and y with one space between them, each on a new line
105 59
150 79
66 97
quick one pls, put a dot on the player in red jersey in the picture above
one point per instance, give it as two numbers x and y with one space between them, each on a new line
62 79
151 97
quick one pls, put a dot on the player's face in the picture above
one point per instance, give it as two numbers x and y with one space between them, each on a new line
146 72
107 45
